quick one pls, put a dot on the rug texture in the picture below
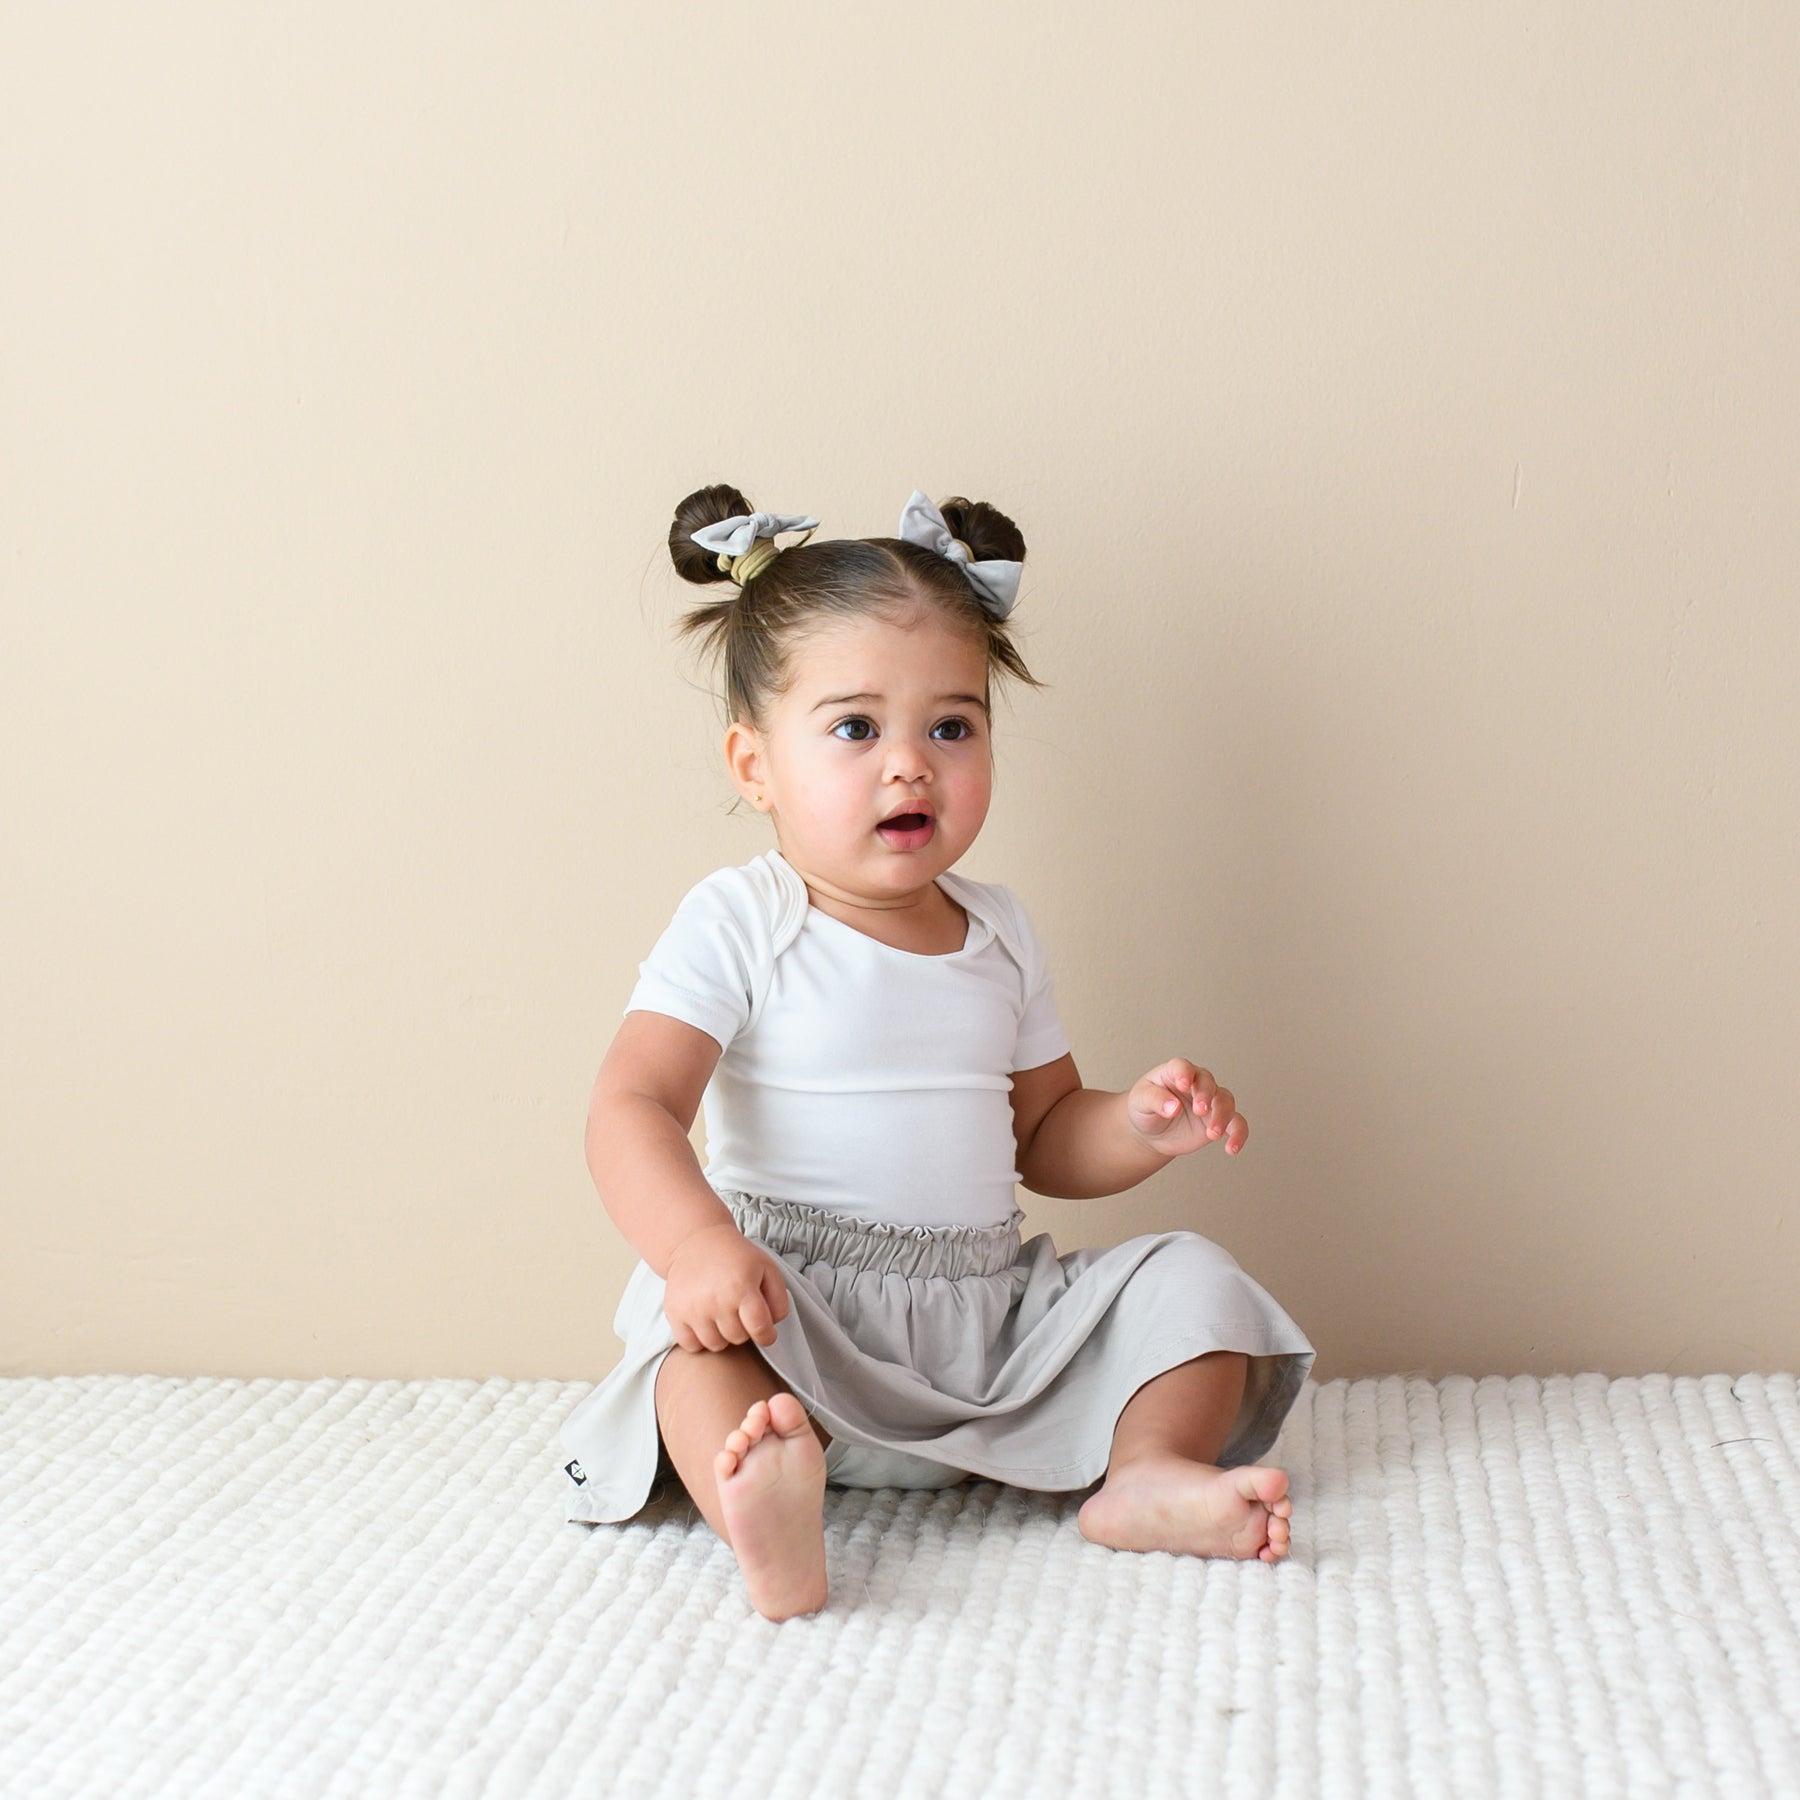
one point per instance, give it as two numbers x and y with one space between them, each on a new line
1511 1586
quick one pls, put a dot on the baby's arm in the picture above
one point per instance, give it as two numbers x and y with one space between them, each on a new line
1089 1142
721 1288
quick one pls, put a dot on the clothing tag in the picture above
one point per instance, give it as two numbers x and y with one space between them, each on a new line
575 1472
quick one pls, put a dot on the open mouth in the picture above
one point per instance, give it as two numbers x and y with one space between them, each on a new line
907 831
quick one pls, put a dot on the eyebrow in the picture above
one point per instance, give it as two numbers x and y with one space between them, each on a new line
844 699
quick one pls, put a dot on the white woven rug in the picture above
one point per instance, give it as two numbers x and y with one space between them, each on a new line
368 1588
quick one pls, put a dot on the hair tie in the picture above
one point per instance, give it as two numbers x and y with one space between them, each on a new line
996 581
745 543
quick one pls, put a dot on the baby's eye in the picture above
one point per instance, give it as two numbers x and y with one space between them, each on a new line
965 733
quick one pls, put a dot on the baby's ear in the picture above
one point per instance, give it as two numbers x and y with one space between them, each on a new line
743 753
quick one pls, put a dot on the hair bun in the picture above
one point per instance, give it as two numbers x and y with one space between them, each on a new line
705 506
989 533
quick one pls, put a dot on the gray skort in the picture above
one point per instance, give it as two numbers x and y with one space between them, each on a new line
933 1353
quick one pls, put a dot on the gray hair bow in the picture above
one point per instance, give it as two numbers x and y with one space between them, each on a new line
734 538
995 581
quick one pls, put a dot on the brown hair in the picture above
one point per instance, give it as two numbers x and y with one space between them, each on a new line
757 629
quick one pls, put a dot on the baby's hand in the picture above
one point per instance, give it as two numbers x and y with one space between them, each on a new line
722 1289
1178 1108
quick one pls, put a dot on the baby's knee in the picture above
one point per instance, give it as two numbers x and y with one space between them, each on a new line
735 1364
735 1377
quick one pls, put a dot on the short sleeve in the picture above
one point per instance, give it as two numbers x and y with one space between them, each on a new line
1041 1035
699 970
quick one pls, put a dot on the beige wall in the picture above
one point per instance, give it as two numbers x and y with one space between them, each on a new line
1402 407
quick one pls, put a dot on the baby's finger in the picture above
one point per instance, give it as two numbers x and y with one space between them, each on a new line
1236 1137
1219 1113
1163 1091
731 1327
755 1314
1177 1075
775 1292
708 1334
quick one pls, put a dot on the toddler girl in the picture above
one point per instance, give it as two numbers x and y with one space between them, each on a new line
842 1293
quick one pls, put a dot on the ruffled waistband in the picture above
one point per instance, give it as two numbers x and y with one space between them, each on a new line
791 1226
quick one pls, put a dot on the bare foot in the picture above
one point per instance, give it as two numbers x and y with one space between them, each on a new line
771 1477
1165 1502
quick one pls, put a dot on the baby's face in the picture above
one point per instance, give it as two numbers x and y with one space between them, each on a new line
832 768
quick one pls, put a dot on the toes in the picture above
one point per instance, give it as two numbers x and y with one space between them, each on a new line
756 1420
725 1464
786 1414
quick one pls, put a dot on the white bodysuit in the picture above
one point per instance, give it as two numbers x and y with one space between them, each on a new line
871 1081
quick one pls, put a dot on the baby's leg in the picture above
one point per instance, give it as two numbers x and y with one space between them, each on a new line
754 1464
1163 1491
